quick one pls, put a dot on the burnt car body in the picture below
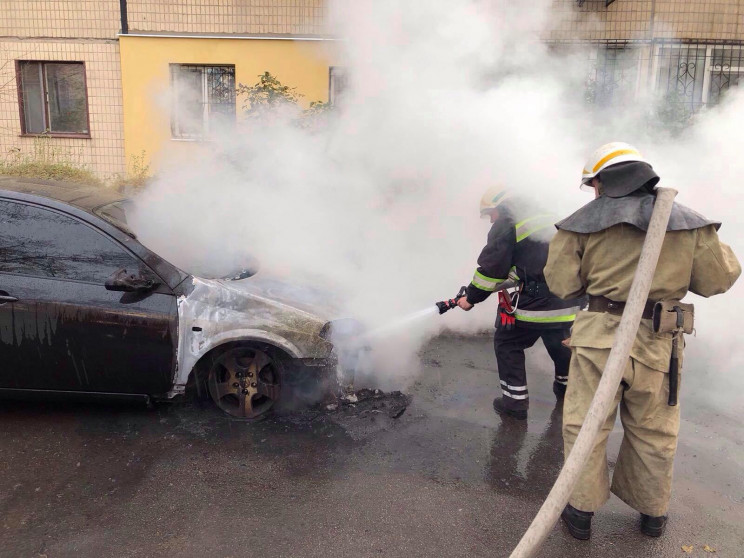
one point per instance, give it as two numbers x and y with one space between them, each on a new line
86 309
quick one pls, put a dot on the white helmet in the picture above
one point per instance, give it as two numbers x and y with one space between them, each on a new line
605 156
492 198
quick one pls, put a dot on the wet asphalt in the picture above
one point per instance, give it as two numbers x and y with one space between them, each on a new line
447 478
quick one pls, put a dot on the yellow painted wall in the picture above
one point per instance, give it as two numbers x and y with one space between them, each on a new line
146 81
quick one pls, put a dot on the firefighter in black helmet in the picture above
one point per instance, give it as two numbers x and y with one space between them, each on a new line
517 247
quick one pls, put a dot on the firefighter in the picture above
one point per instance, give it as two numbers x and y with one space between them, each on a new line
595 252
517 246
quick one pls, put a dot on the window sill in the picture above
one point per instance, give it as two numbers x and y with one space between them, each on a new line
194 140
56 135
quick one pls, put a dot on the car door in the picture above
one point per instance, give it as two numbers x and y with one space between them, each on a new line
60 328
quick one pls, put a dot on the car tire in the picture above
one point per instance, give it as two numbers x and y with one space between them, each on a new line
244 381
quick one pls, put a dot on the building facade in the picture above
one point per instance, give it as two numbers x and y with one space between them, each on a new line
99 83
60 77
687 52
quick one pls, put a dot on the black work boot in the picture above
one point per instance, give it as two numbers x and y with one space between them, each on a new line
579 522
653 526
559 390
503 408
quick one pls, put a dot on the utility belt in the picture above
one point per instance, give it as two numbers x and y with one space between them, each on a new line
602 304
535 289
667 316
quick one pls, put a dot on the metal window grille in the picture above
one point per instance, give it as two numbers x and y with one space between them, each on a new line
613 74
203 99
680 75
691 76
684 76
726 70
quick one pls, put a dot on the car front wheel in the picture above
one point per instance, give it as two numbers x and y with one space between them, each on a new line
245 382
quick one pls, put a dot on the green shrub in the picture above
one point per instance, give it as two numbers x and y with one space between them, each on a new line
265 99
137 175
49 162
51 171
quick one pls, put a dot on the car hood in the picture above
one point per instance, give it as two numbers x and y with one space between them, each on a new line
320 303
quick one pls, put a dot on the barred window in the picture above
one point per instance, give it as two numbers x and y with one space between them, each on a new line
686 76
680 75
203 99
696 75
613 76
726 70
53 98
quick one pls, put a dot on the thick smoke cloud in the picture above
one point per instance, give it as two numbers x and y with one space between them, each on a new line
380 206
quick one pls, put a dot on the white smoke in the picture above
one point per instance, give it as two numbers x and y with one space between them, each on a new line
381 207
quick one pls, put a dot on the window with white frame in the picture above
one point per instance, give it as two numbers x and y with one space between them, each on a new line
203 99
697 75
724 71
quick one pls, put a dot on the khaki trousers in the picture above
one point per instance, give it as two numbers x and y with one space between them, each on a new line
643 473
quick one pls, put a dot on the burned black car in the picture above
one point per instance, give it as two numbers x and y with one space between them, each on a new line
86 309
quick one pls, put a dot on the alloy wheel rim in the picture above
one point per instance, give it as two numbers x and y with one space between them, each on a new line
244 383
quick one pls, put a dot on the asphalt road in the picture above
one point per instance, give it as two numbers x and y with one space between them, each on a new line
448 478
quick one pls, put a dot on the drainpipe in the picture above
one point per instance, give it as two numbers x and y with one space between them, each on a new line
124 19
607 388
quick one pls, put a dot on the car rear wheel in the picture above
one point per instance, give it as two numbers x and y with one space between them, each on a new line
245 382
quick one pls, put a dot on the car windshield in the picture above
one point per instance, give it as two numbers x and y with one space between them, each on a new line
116 214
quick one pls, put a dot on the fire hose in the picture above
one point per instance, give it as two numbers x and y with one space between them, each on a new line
611 377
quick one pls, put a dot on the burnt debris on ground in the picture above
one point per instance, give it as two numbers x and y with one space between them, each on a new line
371 401
361 403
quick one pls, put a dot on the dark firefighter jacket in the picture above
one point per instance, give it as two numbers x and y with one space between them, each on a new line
521 247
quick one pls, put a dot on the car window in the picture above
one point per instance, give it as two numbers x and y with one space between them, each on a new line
116 214
44 243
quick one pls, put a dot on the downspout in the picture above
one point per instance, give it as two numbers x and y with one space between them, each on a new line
124 18
649 85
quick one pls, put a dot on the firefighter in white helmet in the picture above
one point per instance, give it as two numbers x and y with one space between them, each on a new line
595 252
517 246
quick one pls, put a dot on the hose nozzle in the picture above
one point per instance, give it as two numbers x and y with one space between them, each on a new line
445 305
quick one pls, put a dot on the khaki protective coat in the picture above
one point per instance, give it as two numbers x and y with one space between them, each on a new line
603 264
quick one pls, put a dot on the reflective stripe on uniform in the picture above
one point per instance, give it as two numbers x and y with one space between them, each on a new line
507 394
513 388
485 283
527 227
547 316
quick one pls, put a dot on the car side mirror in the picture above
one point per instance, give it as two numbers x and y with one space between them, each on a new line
124 281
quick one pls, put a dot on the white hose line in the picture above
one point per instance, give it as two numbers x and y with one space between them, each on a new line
611 377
